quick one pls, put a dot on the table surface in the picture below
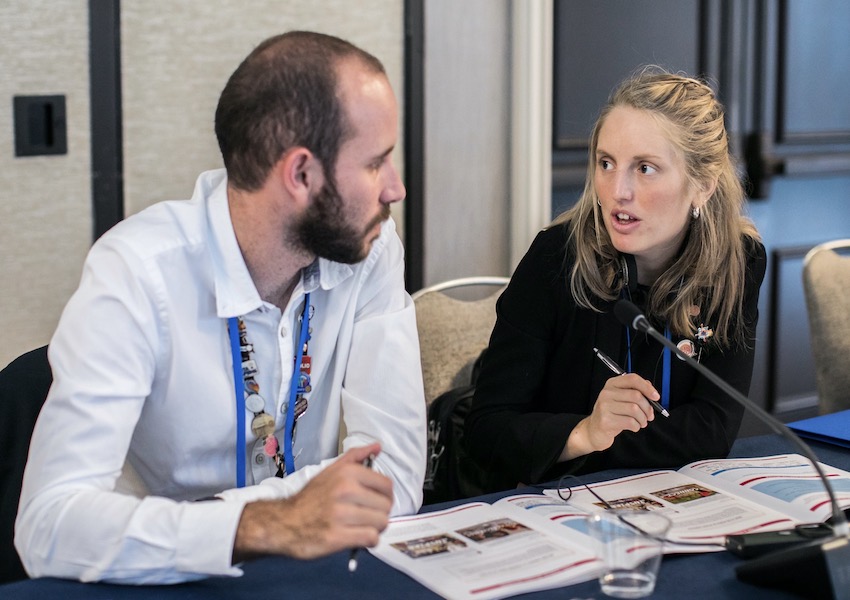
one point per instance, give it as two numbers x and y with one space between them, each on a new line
709 575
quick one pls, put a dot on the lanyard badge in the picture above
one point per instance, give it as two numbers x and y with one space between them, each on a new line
247 393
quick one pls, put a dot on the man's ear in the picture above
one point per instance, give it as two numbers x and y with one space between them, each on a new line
299 173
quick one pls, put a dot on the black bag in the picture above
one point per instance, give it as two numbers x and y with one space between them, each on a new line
450 473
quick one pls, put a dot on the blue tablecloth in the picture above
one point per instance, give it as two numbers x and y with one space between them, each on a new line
708 575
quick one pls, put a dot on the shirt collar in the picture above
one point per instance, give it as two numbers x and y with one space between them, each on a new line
330 274
235 291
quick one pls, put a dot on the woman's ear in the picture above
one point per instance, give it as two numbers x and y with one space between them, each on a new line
705 190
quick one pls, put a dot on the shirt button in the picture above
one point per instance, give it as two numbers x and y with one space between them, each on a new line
260 459
283 332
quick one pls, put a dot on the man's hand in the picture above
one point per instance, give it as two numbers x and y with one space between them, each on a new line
621 406
345 506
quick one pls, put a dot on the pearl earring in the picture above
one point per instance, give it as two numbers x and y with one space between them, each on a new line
695 212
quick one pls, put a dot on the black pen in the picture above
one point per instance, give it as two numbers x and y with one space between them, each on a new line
352 558
616 369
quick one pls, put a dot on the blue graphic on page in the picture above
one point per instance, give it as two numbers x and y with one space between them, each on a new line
790 489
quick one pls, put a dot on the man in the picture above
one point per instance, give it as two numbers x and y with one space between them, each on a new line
220 342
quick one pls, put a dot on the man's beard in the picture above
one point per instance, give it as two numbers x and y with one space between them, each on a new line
324 232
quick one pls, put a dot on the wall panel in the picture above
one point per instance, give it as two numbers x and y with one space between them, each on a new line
467 138
45 201
176 57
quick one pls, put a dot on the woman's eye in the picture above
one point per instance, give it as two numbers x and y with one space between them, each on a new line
647 169
605 165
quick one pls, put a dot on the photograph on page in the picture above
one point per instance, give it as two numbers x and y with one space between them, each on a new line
699 513
479 551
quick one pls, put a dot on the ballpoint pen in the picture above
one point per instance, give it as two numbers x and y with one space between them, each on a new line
352 558
608 362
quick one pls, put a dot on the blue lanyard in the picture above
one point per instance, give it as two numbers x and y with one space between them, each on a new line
297 363
665 367
665 372
239 390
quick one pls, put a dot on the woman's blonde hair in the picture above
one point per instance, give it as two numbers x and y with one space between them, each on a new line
711 266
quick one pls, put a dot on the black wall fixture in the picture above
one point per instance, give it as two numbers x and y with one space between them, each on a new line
40 125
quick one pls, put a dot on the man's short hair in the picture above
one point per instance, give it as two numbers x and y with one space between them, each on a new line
284 94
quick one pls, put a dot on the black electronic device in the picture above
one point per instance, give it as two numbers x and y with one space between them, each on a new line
816 569
751 545
628 272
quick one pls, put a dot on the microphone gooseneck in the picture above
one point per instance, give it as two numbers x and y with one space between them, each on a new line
629 315
766 570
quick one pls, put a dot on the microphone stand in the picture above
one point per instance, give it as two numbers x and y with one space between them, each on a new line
782 569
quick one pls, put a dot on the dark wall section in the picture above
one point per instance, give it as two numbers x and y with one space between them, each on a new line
107 155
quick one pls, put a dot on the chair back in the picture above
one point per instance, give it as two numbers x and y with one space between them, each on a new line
24 384
454 331
826 281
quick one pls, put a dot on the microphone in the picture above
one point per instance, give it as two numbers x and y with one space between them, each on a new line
824 561
629 315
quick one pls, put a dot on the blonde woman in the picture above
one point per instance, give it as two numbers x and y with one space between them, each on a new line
659 223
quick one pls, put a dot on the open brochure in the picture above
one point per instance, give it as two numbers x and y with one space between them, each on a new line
710 499
529 542
487 551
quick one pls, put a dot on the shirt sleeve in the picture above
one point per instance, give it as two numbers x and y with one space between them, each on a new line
72 522
383 398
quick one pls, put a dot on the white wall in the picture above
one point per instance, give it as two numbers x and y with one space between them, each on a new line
488 143
45 201
467 138
177 56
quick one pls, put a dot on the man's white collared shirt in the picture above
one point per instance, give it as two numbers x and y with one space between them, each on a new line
143 370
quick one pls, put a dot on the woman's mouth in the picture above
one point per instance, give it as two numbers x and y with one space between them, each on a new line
623 222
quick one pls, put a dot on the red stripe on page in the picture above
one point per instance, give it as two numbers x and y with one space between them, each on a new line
496 586
461 508
567 516
840 498
754 459
524 497
766 477
747 530
603 484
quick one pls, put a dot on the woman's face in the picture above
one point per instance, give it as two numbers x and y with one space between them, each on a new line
641 184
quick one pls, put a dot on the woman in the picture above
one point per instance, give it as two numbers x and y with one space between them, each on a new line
659 223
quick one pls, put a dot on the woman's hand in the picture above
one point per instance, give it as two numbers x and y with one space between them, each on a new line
621 406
